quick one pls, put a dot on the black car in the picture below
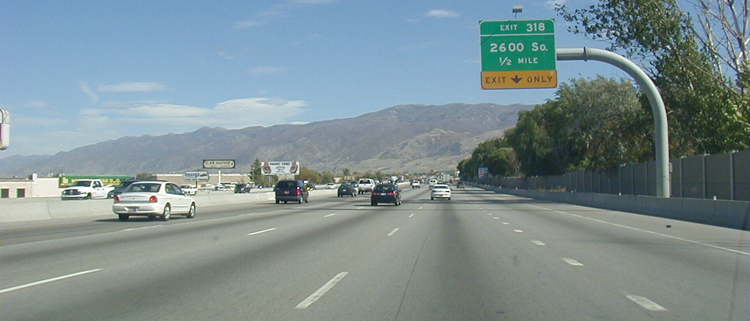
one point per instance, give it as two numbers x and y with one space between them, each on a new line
385 193
291 190
119 188
460 184
242 188
347 189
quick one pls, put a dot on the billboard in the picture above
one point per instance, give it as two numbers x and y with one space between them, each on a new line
218 163
195 176
279 168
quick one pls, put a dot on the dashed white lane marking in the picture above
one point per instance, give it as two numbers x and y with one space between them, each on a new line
572 262
320 292
518 231
263 231
48 281
646 303
506 223
393 232
647 231
412 215
495 217
537 242
140 228
329 215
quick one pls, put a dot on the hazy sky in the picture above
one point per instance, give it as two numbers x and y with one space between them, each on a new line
74 73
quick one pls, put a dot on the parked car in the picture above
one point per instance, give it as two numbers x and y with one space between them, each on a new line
347 189
415 183
291 190
121 187
440 191
153 199
189 190
385 193
242 188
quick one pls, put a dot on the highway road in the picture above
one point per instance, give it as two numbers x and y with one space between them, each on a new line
479 256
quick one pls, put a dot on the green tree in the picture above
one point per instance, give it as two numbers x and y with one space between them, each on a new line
707 110
595 124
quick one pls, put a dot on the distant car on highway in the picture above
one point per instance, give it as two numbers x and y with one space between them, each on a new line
121 187
291 190
242 188
86 189
460 184
432 183
330 186
385 193
347 189
366 185
440 191
189 189
415 183
153 199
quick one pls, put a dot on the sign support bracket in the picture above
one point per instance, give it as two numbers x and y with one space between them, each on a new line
661 136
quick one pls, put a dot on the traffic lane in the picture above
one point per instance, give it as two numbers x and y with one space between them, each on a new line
33 231
143 273
644 263
132 237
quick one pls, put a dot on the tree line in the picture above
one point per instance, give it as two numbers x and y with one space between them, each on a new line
699 62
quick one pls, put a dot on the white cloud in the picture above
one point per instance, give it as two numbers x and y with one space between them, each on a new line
277 12
132 87
37 104
436 13
247 24
93 97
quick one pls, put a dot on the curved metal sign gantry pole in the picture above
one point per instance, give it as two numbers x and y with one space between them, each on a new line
661 137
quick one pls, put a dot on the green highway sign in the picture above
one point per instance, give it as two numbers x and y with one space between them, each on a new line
518 54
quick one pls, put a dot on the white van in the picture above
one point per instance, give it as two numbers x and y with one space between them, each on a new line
432 183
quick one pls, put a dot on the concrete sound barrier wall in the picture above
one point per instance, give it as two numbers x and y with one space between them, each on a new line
725 213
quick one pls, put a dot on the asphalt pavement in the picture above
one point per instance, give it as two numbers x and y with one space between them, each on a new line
479 256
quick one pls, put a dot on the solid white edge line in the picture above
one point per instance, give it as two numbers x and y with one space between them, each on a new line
646 303
649 232
48 281
572 262
263 231
393 232
320 292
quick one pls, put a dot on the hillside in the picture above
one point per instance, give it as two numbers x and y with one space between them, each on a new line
415 138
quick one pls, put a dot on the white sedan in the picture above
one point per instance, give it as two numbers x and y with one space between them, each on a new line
440 191
153 199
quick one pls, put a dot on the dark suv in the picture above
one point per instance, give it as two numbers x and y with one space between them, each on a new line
291 190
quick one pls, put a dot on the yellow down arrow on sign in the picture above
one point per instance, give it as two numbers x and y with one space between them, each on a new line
519 79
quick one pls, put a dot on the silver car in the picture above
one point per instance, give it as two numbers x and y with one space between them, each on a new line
153 199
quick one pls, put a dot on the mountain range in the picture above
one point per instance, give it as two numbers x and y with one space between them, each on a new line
405 138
